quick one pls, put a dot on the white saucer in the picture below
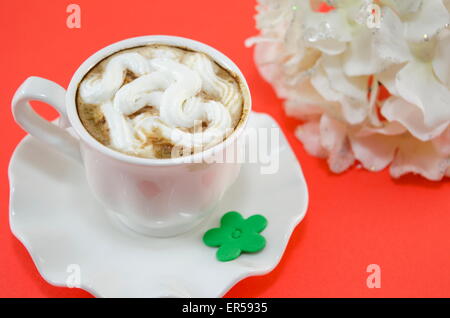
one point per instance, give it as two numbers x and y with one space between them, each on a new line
57 219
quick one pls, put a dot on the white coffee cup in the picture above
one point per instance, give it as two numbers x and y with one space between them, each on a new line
157 197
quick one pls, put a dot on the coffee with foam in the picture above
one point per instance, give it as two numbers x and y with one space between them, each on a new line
158 101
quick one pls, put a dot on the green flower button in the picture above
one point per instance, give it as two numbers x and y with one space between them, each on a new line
236 235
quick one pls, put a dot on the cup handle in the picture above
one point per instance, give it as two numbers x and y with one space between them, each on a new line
40 89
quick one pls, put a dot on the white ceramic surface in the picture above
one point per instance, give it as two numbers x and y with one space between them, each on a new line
55 216
159 197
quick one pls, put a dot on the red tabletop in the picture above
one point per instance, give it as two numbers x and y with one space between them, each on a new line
354 219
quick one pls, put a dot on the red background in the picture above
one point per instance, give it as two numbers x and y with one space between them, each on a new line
354 219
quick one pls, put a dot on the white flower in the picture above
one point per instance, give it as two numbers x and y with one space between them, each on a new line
330 68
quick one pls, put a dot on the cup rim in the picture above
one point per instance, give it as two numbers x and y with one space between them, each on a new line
103 53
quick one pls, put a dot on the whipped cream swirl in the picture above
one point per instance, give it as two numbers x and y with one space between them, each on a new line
192 106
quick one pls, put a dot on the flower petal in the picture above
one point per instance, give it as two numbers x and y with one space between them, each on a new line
354 87
330 46
215 237
361 58
350 92
389 41
442 142
305 101
417 84
309 135
387 77
266 58
441 61
404 7
321 83
388 128
327 32
228 252
297 65
333 136
410 116
431 18
374 152
231 219
415 156
255 223
252 243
